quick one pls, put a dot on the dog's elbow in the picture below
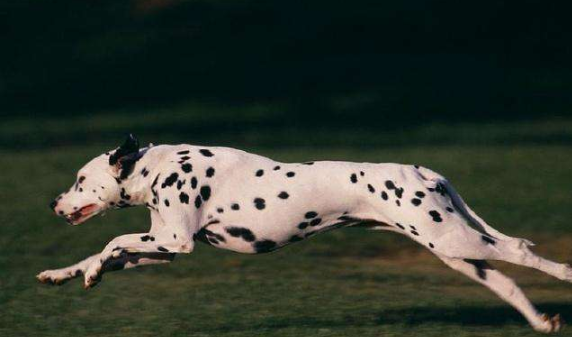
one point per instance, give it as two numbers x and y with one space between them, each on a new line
187 246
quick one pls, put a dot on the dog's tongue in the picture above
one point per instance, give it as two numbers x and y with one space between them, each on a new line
86 210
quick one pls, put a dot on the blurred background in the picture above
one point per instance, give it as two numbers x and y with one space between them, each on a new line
479 91
285 73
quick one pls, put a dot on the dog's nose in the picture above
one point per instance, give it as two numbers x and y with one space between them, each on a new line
53 204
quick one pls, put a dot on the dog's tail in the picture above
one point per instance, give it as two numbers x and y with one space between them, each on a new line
477 222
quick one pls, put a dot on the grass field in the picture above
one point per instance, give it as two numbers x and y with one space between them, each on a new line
344 283
477 91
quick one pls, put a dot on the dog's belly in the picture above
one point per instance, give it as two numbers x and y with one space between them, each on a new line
248 238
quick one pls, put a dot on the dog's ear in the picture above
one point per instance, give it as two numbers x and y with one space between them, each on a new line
124 158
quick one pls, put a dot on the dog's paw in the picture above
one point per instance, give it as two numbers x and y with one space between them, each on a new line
92 275
57 276
550 324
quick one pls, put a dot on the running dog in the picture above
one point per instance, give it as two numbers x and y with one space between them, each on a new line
247 203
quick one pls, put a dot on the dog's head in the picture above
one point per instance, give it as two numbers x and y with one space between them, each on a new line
97 186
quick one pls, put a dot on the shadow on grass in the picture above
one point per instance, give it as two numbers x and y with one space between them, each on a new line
467 315
463 315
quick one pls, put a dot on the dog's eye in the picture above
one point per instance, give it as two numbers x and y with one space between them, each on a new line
81 179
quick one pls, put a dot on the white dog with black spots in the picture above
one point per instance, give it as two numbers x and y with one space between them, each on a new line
247 203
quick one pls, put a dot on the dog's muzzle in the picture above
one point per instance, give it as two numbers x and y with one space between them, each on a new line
82 214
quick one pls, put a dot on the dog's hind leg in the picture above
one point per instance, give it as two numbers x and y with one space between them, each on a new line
517 252
506 289
506 248
500 246
125 261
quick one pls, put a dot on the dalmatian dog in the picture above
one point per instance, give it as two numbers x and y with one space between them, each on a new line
247 203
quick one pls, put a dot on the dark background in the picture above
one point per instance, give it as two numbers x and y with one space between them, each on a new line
235 70
478 91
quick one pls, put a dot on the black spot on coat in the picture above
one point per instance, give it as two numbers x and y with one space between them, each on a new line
295 238
170 180
310 215
206 153
264 246
283 195
187 167
481 267
315 222
209 237
259 173
210 172
198 201
184 198
155 181
205 192
435 215
124 195
488 240
259 203
244 233
353 178
347 218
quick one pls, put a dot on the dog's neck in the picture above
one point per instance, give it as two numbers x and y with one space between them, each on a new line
136 188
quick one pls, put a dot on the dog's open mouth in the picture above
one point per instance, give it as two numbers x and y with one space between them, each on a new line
82 214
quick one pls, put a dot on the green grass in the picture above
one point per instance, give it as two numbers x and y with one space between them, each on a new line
344 283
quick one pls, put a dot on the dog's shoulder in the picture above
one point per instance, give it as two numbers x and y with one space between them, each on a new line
182 159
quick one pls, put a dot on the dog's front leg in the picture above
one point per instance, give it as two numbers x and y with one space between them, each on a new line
125 261
167 241
62 275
